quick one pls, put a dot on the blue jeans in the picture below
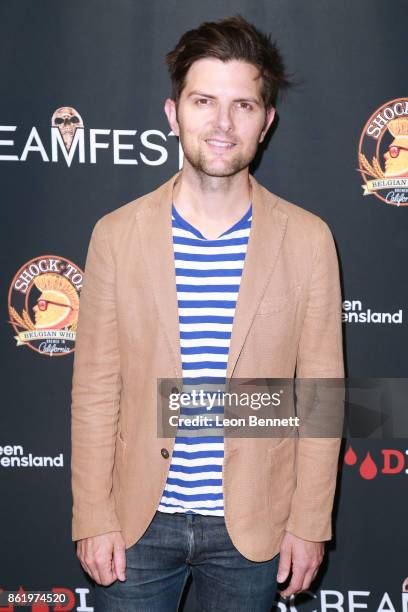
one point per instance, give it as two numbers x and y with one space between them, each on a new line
172 547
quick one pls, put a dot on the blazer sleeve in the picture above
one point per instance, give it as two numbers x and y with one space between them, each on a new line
96 386
320 355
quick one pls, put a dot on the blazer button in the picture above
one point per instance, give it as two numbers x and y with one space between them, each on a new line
164 453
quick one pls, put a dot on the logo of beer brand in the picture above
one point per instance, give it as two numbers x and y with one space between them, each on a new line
383 153
43 304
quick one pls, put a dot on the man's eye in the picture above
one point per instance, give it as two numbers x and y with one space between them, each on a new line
245 105
202 101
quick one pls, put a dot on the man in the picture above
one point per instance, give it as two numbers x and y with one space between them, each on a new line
210 275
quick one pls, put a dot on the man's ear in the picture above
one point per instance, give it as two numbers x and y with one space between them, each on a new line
269 117
171 113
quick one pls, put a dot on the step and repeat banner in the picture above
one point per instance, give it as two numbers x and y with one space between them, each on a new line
82 132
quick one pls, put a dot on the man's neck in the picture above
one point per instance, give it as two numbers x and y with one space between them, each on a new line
211 204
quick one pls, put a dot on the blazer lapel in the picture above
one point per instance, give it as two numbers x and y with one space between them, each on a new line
268 228
155 227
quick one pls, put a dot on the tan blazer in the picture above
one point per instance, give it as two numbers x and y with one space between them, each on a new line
287 322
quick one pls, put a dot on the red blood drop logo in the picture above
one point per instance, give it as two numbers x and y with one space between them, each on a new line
368 469
350 457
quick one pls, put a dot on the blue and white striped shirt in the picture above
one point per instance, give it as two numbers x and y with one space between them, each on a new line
208 276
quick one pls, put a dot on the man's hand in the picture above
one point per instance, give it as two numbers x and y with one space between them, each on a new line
103 557
303 557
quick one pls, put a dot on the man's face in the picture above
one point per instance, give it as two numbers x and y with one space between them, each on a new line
220 117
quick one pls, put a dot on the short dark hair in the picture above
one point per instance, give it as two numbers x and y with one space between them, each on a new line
233 38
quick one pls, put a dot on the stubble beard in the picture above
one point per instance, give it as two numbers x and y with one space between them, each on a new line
201 163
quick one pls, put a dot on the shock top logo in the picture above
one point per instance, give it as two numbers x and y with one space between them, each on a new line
43 304
383 153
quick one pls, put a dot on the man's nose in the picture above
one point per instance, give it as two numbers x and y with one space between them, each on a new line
224 118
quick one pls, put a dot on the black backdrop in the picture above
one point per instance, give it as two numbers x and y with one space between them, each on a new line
106 60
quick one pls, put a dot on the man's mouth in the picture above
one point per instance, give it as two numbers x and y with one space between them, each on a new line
220 144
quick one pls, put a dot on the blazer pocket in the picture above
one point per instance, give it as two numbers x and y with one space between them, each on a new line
279 302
